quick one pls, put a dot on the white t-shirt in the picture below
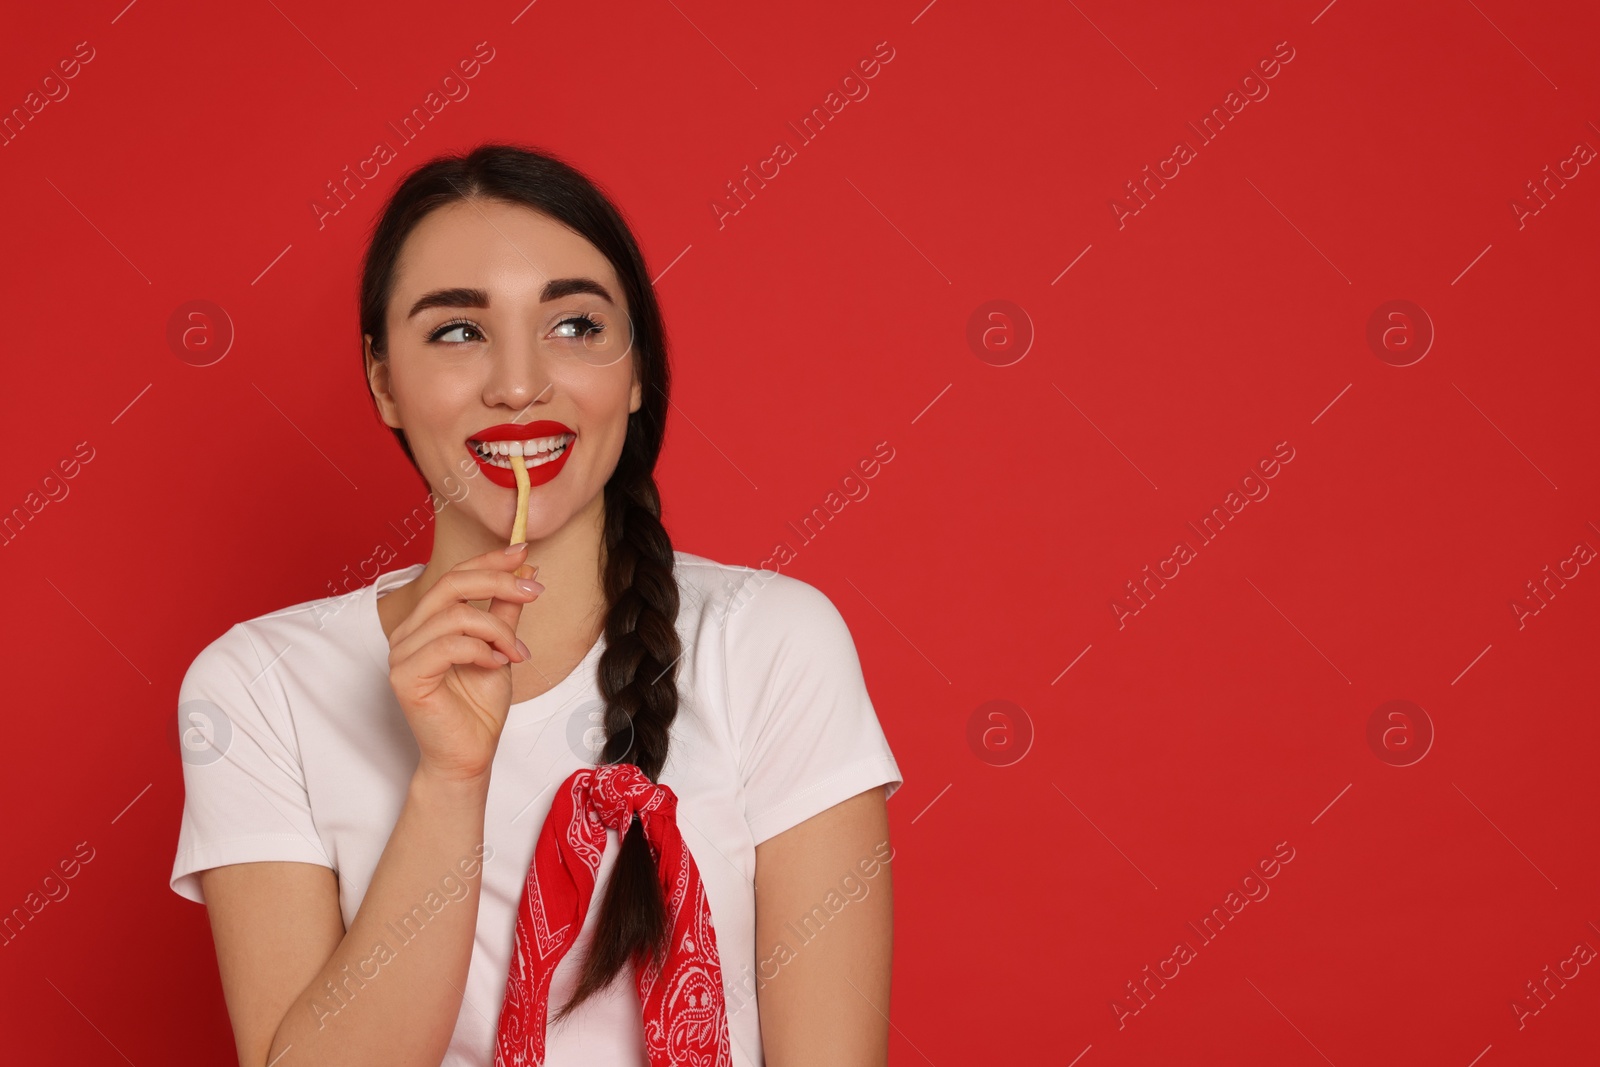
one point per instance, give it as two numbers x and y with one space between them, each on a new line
309 758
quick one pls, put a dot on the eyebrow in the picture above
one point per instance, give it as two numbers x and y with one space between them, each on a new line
554 289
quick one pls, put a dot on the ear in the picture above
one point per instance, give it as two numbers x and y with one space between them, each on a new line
378 382
636 396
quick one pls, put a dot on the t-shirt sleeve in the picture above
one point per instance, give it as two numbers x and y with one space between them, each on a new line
244 789
807 733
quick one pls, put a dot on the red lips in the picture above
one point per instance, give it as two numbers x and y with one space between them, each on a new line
510 431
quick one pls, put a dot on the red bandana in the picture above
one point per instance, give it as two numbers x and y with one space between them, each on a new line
685 1018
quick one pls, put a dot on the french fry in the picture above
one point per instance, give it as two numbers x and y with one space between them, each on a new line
519 525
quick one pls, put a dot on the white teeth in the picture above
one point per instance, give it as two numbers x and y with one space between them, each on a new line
524 448
539 450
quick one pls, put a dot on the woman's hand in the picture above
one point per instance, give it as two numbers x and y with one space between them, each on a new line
449 662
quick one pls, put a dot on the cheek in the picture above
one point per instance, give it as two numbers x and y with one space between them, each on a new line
430 398
601 396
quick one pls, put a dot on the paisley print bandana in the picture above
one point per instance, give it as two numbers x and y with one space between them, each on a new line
684 1014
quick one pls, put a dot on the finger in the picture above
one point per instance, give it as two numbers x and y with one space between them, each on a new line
496 559
457 586
509 609
431 661
459 619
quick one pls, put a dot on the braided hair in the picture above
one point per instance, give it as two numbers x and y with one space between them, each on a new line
637 670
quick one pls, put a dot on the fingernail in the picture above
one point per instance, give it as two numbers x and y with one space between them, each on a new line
499 657
512 550
527 585
523 649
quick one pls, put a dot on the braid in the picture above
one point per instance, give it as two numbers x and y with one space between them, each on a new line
638 679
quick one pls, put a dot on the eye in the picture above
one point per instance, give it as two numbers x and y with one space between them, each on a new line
583 326
453 325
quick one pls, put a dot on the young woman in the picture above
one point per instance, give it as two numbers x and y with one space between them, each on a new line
689 744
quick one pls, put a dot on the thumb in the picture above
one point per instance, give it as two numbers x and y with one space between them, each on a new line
509 611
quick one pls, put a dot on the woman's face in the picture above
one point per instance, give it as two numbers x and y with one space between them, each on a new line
503 323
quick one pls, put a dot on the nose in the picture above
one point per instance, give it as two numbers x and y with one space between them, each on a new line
518 376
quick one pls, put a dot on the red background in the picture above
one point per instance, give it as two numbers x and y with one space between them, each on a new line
832 312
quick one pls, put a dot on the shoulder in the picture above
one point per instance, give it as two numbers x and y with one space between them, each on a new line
250 646
744 600
762 615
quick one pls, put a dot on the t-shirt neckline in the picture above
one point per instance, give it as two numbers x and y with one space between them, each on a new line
535 708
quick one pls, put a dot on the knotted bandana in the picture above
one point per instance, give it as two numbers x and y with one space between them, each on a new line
684 1014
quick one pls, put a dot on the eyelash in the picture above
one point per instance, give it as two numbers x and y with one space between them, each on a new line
452 324
590 327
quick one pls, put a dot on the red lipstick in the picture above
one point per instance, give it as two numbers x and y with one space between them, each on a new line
551 438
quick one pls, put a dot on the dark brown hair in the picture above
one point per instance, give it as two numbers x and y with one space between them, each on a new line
637 671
